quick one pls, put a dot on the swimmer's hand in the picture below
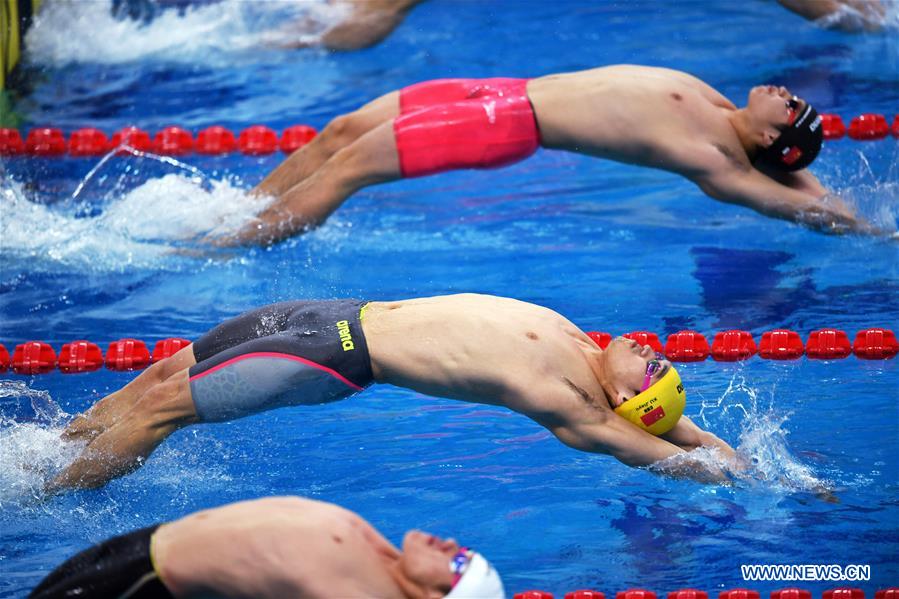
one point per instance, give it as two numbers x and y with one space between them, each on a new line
824 494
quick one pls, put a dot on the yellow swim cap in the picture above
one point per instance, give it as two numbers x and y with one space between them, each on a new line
657 409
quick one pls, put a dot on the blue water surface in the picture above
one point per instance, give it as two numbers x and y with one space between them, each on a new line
90 251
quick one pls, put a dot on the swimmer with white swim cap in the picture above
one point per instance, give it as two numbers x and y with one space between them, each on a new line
623 400
274 547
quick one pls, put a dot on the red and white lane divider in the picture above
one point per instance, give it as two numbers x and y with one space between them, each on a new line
171 141
38 357
788 593
865 127
778 344
260 140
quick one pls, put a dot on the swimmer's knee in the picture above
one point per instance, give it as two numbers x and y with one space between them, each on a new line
340 132
166 404
343 130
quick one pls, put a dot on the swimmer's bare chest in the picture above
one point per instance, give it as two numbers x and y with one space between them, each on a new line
639 117
484 350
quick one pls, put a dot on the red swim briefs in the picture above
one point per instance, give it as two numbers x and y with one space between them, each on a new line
450 124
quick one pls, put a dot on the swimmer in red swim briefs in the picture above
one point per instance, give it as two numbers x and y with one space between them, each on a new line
624 400
753 156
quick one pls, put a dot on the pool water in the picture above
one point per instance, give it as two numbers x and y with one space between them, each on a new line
93 250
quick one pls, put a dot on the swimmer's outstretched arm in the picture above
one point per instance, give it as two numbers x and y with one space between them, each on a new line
868 14
370 22
688 436
613 435
822 212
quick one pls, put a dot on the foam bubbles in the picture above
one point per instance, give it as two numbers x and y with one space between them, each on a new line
210 33
764 458
138 228
30 452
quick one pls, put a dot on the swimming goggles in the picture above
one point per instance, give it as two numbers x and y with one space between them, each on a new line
793 104
652 367
460 562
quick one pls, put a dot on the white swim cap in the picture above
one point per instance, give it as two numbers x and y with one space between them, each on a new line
478 580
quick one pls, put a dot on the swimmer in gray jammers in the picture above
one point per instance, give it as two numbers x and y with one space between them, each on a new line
272 548
625 401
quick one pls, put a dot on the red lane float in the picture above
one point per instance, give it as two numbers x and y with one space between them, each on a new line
739 594
890 593
215 140
875 344
132 137
11 142
688 594
791 593
45 142
635 594
601 339
173 141
781 344
533 595
832 126
896 126
843 593
257 140
166 348
33 357
4 359
828 344
80 356
294 138
584 594
868 127
127 354
733 346
88 142
687 346
646 338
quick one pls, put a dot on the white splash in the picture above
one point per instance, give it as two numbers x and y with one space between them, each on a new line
138 228
31 452
763 458
208 33
863 16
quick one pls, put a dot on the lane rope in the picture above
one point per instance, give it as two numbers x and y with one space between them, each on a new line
258 140
876 343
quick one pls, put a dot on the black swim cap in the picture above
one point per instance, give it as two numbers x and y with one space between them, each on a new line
797 146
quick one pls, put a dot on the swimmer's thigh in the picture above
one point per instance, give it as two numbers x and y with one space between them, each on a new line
262 374
477 133
252 324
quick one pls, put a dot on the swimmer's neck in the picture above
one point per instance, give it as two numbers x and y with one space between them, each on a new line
406 587
597 363
742 124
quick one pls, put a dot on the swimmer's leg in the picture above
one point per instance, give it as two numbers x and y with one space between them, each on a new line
369 160
338 134
111 408
160 411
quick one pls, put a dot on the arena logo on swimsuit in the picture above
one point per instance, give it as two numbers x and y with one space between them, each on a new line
343 329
